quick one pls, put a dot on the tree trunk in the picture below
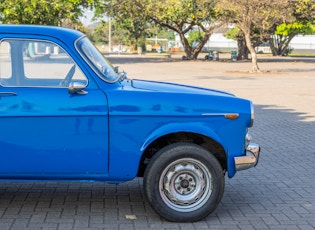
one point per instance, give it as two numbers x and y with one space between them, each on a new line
286 45
187 48
276 43
192 54
279 44
242 53
255 68
272 42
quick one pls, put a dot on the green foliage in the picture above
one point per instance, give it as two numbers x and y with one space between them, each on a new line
118 35
127 18
101 33
41 12
234 33
303 23
195 37
298 27
288 51
304 10
180 16
183 17
160 32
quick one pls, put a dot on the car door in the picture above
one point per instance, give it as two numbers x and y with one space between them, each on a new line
45 132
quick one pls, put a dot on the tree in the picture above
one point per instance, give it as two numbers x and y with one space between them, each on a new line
118 34
42 12
195 37
127 17
304 23
236 34
251 15
181 16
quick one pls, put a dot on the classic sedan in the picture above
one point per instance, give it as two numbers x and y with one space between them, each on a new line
67 114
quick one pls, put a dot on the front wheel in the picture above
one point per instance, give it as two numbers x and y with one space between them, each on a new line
184 182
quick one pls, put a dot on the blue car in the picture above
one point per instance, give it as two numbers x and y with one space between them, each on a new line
67 114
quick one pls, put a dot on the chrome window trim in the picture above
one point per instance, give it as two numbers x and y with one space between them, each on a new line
86 59
48 41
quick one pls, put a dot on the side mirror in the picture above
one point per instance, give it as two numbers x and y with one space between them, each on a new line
77 88
116 69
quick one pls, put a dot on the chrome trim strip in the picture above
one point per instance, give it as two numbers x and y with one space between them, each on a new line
218 114
8 93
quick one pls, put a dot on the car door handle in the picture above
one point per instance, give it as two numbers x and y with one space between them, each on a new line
8 94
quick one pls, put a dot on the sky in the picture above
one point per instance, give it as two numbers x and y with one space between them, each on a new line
87 17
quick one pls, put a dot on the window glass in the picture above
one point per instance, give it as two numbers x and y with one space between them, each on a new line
32 63
5 60
98 62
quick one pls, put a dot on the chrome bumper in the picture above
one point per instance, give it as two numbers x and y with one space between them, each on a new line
250 159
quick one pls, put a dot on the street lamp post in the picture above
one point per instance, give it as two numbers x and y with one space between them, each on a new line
109 35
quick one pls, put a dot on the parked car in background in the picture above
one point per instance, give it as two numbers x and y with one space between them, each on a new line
68 114
263 48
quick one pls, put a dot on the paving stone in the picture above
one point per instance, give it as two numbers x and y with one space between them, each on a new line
277 194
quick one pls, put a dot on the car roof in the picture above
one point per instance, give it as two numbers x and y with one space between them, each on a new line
52 31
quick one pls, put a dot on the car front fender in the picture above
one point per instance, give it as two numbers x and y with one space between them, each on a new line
191 127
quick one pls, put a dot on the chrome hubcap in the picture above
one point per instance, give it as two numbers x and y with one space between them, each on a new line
185 185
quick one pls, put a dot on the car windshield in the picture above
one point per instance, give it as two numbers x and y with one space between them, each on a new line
96 60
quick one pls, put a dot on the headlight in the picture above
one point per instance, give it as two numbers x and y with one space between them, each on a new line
252 115
248 139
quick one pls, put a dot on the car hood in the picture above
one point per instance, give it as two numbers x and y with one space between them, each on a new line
175 88
150 98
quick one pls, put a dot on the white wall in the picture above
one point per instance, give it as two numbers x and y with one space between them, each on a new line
303 42
217 40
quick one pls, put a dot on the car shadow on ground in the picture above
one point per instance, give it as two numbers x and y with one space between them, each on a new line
278 190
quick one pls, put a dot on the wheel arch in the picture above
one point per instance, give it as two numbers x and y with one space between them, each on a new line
210 142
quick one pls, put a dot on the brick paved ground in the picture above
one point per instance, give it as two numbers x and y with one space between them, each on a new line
278 194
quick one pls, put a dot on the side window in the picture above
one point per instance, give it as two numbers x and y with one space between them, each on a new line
32 63
5 61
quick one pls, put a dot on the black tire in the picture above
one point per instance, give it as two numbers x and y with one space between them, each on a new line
184 182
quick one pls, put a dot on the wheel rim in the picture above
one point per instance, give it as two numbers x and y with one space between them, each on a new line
185 185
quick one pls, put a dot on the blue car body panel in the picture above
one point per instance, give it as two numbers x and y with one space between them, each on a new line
47 133
163 111
54 132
